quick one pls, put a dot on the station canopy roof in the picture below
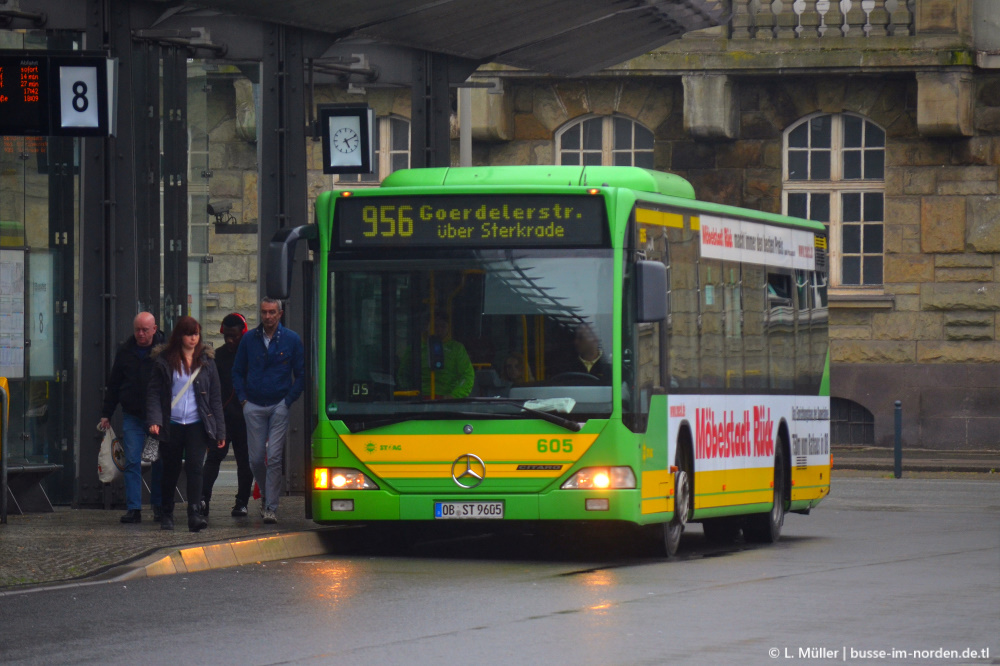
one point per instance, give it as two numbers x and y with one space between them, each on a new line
561 37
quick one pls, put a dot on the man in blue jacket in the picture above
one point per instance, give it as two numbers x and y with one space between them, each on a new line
268 376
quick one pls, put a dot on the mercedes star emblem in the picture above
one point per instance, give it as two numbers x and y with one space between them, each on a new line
468 470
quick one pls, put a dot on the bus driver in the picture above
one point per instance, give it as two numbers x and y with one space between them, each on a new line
455 375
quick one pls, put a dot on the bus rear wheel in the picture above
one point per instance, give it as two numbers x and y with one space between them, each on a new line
673 530
766 527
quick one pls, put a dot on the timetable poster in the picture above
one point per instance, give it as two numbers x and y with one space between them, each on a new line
12 314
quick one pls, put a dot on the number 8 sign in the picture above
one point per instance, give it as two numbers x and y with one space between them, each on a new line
78 97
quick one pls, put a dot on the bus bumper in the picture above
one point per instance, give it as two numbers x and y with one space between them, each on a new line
377 505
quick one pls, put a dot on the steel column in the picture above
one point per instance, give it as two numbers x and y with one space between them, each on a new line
283 192
430 111
145 178
97 321
175 187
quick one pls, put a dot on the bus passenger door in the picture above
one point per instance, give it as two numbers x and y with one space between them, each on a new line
644 398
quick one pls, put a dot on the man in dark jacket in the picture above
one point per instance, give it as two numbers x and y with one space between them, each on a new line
127 385
234 326
268 375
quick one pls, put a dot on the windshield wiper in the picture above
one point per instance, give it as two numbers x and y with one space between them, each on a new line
561 421
399 417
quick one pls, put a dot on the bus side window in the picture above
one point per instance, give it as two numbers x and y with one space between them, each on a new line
712 349
755 356
683 330
818 341
733 312
781 329
803 332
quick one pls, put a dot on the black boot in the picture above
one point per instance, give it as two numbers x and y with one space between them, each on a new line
132 516
196 521
166 518
157 513
204 507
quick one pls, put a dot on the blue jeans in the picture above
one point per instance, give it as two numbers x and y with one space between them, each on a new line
266 428
133 439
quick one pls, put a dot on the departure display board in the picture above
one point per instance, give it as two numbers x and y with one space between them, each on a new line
55 95
487 220
24 105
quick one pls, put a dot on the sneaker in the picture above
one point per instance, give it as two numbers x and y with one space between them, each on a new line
132 516
270 518
239 510
263 510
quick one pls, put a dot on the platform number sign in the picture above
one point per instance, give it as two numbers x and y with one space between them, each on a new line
77 96
56 95
82 108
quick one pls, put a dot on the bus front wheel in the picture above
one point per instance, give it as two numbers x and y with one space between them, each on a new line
766 527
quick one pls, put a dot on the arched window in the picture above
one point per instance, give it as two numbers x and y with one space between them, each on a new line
605 141
834 172
392 151
850 423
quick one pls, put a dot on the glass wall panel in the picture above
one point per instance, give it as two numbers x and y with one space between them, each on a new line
39 219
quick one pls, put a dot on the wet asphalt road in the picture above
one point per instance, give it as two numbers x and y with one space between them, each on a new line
882 565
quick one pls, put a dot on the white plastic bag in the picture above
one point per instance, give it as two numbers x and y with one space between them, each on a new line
109 469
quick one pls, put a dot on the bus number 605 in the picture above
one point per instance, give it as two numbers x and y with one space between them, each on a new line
555 445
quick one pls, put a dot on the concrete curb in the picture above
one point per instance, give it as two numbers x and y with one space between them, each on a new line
225 554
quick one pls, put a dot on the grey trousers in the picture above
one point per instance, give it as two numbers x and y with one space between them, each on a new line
266 428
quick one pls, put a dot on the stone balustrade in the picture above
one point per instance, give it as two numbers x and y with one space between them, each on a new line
826 19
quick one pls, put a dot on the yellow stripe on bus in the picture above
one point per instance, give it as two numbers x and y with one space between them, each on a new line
733 487
812 482
659 218
657 491
525 449
721 488
442 470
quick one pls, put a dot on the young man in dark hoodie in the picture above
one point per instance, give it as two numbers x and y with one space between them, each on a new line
127 385
234 326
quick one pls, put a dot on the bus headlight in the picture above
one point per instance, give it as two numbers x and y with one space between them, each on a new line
341 478
599 478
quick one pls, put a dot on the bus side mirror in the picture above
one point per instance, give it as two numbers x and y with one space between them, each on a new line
651 291
281 256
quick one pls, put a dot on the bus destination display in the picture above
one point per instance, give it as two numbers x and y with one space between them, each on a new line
471 221
24 109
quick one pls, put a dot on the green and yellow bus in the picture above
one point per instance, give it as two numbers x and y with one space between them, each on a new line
559 343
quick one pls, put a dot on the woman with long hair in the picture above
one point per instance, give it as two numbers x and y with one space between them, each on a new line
184 411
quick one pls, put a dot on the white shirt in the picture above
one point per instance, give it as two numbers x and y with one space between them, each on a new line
186 409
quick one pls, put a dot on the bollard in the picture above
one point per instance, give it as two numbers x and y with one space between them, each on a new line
898 464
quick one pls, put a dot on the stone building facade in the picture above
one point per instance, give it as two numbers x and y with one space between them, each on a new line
915 288
913 307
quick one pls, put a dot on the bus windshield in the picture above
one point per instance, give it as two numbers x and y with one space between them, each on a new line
478 334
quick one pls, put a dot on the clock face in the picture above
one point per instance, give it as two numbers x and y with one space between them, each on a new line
346 140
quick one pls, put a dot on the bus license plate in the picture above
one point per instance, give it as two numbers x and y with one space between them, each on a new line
468 510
